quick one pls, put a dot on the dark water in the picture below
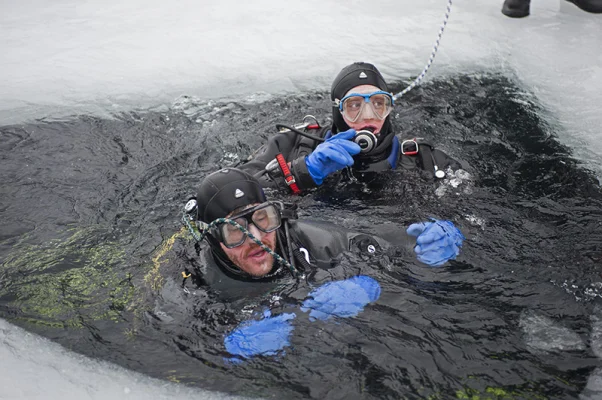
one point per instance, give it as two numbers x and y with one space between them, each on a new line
92 251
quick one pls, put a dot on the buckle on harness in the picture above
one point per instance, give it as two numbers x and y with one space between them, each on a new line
289 179
409 147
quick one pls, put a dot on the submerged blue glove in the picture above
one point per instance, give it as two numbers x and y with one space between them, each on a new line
436 242
265 337
332 155
341 298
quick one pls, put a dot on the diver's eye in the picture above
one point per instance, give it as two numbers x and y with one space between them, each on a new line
353 104
379 101
261 219
240 221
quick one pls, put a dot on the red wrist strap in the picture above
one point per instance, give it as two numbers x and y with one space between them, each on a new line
286 172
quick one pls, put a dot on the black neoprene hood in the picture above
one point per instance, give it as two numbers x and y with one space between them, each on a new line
356 74
226 190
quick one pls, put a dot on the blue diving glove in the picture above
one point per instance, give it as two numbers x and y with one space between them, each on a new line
332 155
263 337
341 298
436 242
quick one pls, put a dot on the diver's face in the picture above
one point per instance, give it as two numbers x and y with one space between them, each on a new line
368 118
251 258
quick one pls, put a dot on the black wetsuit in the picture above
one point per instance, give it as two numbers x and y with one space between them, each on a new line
323 243
294 148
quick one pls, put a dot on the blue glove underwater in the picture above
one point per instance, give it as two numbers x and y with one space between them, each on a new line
332 155
436 242
271 334
264 337
341 298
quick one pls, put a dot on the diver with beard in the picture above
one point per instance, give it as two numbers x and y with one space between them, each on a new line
253 240
361 137
258 246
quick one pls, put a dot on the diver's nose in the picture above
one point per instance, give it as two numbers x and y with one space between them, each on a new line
255 231
368 112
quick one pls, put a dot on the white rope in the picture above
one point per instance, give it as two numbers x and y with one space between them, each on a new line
435 48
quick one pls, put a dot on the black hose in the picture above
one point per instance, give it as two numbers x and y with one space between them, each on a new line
290 249
297 131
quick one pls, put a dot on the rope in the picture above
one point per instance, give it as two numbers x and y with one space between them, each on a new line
430 61
203 233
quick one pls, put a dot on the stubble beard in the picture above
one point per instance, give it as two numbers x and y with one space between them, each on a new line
253 268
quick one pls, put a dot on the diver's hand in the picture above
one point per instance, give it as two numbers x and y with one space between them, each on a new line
332 155
264 337
436 242
341 298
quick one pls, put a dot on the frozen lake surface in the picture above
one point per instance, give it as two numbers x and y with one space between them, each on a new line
72 56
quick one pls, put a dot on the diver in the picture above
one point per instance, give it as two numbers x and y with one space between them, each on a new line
361 137
253 240
257 247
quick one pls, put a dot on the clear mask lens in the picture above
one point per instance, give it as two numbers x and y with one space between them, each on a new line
376 105
266 217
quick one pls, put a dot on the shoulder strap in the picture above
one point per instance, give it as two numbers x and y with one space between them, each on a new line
422 150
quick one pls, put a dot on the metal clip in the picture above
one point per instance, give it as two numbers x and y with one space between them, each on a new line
203 227
190 206
307 121
409 151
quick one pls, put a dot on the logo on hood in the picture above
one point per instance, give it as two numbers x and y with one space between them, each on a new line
238 193
363 75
